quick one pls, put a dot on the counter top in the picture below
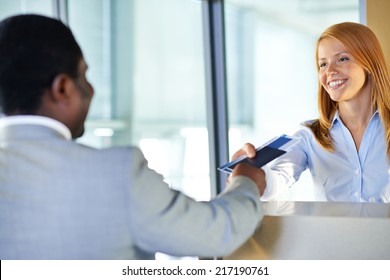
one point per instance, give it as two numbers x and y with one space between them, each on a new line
327 209
320 230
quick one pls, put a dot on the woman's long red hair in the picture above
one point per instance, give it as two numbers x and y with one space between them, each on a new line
365 48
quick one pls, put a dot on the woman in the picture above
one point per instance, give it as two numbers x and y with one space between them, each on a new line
347 149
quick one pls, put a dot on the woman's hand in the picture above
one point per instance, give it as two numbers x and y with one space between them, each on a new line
248 149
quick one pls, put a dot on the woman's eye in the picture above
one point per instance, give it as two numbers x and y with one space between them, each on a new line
322 65
343 59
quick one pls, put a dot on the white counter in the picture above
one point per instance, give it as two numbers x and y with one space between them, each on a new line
320 230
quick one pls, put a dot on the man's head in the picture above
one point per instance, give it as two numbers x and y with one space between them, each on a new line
42 71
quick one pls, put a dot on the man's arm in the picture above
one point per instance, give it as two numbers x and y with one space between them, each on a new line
167 221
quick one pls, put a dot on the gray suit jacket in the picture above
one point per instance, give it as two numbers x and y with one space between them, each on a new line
63 200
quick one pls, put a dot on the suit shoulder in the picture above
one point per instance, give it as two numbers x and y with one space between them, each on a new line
132 152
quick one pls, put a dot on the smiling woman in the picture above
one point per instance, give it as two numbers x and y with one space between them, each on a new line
351 53
347 148
271 87
340 75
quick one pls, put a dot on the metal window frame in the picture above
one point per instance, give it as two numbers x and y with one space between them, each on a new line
216 90
60 10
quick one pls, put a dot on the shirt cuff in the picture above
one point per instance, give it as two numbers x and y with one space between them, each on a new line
270 182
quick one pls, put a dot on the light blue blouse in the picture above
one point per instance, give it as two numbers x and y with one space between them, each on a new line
345 175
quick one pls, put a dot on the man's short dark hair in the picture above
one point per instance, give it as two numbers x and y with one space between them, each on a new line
34 49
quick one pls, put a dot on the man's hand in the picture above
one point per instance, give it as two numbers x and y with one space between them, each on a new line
242 169
254 173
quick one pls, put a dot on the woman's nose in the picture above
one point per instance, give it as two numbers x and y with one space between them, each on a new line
332 69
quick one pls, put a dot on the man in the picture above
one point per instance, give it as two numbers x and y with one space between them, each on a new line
63 200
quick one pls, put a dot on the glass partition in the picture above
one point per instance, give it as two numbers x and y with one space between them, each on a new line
148 75
272 79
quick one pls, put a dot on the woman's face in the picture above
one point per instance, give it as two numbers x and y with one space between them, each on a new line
339 74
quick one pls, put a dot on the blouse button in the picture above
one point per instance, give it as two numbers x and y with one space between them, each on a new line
357 171
357 194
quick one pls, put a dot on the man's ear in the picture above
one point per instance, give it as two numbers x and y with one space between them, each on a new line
61 88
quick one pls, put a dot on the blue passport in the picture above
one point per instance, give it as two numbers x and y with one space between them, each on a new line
264 154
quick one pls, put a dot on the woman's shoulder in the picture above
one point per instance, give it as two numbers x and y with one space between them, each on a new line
309 123
305 129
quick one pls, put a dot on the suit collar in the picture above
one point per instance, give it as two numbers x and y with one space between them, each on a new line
23 120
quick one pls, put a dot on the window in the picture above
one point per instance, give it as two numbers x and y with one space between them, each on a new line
148 75
272 79
25 6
